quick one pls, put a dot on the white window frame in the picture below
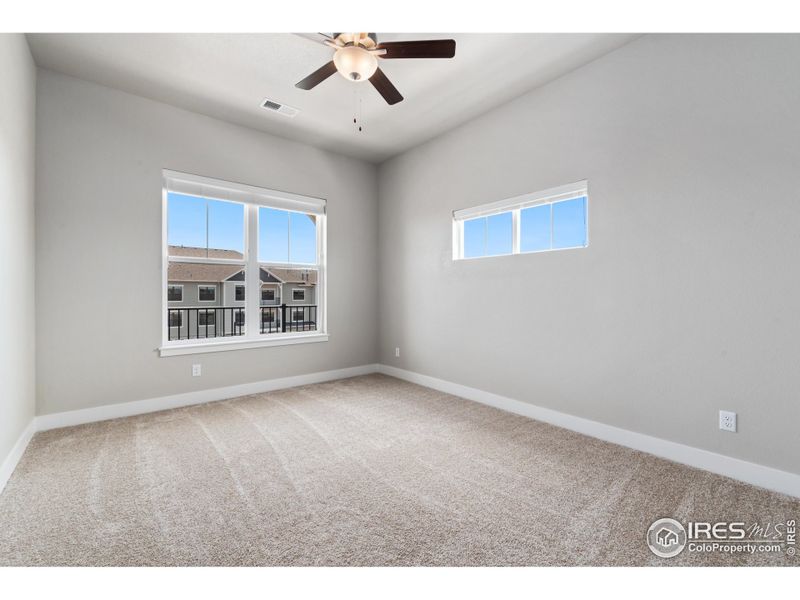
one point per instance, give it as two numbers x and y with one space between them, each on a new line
270 289
252 197
207 287
515 206
236 291
175 285
299 290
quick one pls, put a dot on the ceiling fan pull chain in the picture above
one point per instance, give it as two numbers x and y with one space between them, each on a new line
355 108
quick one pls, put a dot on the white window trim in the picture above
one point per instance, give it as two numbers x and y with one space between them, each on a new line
299 290
253 197
175 285
515 206
212 287
274 295
236 287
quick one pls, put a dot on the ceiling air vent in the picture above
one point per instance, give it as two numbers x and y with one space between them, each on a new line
281 109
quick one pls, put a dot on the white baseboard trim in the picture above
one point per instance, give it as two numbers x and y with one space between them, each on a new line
759 475
139 407
11 461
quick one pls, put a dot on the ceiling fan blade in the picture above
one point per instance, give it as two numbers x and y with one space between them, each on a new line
419 49
320 38
385 87
317 76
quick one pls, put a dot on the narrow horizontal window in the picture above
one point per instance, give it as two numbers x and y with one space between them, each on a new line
554 219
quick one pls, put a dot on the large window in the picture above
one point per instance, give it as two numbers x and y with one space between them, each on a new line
554 219
223 242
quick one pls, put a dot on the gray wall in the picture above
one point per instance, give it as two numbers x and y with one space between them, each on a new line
686 300
17 159
100 153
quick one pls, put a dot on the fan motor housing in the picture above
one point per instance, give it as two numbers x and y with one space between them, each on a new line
365 40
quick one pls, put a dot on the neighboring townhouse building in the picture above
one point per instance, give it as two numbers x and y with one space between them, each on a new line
202 296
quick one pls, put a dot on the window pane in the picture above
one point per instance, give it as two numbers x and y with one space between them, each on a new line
535 228
302 239
209 305
175 293
240 293
273 235
499 234
475 237
200 227
207 293
295 287
186 221
226 226
569 223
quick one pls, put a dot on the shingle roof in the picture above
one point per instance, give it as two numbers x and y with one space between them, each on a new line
203 252
201 272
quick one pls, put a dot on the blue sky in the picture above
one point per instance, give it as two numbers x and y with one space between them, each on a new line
488 236
283 236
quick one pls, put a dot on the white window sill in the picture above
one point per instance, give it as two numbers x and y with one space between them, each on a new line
176 349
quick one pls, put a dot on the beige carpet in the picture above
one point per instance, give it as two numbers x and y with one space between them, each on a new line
362 471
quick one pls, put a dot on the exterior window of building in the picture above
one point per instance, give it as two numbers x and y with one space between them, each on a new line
175 293
207 293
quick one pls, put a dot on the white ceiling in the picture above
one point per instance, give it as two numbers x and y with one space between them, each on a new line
228 76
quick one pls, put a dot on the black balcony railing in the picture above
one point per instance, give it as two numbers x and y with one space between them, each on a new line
224 321
288 317
199 323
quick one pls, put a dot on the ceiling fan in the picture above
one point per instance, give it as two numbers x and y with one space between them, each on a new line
356 58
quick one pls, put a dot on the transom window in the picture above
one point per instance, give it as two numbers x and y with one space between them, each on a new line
554 219
224 241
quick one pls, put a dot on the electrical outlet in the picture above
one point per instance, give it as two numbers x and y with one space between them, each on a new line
397 352
197 370
727 420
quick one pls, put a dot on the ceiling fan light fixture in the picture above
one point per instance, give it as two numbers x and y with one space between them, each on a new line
354 63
